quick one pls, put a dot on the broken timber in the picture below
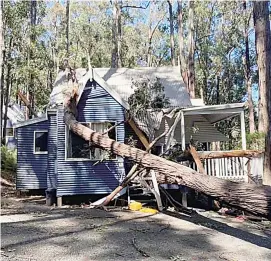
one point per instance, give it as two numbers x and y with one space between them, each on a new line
228 154
249 197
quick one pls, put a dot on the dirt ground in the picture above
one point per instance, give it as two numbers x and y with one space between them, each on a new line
32 231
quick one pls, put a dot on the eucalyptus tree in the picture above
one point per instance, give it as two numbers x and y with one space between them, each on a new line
263 46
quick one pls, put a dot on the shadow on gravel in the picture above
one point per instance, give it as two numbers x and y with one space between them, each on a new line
197 219
91 234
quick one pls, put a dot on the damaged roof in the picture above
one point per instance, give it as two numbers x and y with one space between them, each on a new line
121 79
119 83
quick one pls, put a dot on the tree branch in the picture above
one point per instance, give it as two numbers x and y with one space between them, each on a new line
135 6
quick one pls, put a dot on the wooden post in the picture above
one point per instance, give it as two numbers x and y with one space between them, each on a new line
182 131
243 130
197 160
139 133
184 194
156 191
59 201
244 144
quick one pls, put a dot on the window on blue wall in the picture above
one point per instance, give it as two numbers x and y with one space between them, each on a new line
40 141
78 148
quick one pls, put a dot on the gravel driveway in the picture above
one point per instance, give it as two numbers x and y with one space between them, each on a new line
32 231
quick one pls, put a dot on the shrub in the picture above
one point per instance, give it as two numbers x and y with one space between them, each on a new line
8 159
256 141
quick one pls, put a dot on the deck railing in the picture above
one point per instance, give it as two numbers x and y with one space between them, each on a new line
234 168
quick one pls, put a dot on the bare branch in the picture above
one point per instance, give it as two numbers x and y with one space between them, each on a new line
113 127
135 6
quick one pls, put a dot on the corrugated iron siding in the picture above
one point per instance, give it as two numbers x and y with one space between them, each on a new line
81 177
31 168
52 152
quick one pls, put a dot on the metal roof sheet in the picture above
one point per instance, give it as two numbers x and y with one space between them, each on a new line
121 80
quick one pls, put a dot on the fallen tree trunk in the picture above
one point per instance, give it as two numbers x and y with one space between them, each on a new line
249 197
228 154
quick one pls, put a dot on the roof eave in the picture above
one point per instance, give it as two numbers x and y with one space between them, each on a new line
31 121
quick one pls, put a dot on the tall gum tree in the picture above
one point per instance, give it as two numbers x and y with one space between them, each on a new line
263 47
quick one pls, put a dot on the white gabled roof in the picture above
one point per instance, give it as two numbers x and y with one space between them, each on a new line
121 79
118 82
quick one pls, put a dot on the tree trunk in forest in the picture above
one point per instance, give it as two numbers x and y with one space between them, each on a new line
149 52
116 35
262 31
191 51
248 76
248 197
172 48
7 94
68 28
183 65
263 47
33 20
2 47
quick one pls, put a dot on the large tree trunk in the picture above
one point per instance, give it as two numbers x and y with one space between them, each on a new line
68 29
116 35
183 68
1 61
7 94
172 48
33 21
245 196
191 51
248 76
262 31
263 47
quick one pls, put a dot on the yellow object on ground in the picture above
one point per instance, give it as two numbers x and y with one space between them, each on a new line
149 210
135 205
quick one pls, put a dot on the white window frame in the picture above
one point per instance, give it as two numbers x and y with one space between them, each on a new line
83 159
34 142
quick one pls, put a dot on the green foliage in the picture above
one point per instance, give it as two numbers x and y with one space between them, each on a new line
8 159
148 94
256 141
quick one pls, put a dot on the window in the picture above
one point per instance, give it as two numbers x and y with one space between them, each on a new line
9 132
40 142
78 148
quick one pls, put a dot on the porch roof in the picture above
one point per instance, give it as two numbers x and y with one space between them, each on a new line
216 113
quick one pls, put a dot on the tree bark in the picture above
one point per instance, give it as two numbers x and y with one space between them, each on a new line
191 51
183 68
263 47
248 75
68 28
228 154
262 31
2 47
116 35
248 197
172 48
33 21
7 94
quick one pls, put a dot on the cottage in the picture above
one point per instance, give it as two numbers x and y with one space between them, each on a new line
50 156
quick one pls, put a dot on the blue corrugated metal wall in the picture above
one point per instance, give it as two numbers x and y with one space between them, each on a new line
31 168
52 151
81 177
